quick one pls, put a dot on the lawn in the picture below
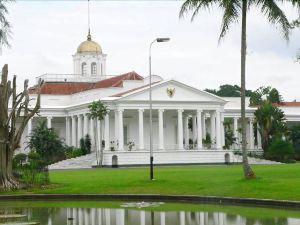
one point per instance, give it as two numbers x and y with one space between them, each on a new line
273 181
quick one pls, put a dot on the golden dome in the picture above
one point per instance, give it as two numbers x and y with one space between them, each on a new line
89 46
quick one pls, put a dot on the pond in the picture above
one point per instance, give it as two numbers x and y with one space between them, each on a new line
124 213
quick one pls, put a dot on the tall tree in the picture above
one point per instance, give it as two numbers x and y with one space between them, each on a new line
98 111
228 90
269 119
5 27
14 108
233 10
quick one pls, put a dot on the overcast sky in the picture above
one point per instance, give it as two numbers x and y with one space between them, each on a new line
47 33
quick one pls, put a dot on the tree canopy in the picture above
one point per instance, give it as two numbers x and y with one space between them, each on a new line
228 90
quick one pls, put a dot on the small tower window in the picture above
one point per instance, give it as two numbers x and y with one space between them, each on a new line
83 68
94 69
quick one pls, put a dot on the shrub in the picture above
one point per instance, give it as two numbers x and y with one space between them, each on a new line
295 138
88 143
76 152
19 160
47 144
280 150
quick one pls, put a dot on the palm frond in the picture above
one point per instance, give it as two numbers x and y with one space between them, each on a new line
232 10
275 15
195 5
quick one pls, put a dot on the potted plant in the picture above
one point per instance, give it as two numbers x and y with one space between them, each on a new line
131 145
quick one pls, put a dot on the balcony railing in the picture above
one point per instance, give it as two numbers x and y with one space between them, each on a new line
71 78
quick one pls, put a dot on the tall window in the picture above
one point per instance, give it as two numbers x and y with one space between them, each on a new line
94 69
84 68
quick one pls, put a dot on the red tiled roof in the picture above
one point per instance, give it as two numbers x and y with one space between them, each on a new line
132 90
71 88
288 104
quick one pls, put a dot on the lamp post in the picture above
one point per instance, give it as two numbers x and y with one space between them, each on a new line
150 104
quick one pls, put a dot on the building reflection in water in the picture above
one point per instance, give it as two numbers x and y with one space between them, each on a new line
97 216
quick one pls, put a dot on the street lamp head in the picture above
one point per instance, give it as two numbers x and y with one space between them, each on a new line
162 39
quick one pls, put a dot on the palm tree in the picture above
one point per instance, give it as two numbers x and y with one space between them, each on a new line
5 27
98 111
233 10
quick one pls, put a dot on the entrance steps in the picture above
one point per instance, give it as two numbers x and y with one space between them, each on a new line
255 161
81 162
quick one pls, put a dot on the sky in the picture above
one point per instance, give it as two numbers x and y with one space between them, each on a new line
47 33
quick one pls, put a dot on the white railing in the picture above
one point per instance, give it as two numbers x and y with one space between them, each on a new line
71 78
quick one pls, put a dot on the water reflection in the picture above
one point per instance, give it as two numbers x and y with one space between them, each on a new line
99 216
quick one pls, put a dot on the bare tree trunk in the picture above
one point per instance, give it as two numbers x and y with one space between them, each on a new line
101 147
10 136
248 172
95 140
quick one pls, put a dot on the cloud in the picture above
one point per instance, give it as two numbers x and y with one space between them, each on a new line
46 34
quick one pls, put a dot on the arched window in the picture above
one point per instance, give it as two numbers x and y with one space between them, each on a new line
94 69
83 68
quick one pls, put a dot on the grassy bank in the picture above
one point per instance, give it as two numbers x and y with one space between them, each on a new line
273 181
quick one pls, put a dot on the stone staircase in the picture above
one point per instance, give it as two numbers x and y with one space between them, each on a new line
256 161
81 162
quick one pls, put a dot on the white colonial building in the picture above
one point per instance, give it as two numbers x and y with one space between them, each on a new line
65 99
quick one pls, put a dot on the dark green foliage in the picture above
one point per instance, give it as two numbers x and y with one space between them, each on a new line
229 135
268 116
295 139
82 146
280 150
88 143
47 144
76 152
19 160
31 169
228 90
207 141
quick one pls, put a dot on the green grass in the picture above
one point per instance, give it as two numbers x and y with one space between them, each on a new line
273 181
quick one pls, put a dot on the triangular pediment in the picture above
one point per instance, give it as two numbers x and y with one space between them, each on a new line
171 91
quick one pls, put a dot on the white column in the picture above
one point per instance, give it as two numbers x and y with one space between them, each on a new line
142 218
180 129
218 130
235 131
120 217
85 124
106 133
79 129
222 130
258 138
29 127
49 121
203 125
68 131
194 129
251 134
199 129
116 127
160 129
141 129
98 134
74 141
120 125
213 127
186 132
182 217
162 218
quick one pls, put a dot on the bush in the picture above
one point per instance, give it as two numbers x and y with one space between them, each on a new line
76 152
280 150
19 160
295 138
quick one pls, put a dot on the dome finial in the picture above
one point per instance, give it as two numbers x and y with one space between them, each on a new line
89 37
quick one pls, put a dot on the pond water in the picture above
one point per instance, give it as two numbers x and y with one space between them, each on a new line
120 213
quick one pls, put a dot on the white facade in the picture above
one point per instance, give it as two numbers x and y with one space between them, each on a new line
175 105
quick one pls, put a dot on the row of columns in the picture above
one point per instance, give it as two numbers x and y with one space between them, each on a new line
251 133
99 216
